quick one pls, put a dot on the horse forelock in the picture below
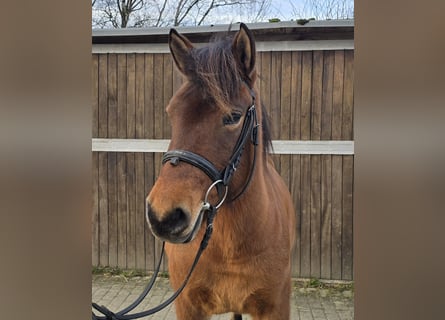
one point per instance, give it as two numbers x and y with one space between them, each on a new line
216 76
216 73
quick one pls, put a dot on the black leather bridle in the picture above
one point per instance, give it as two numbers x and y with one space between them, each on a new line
220 180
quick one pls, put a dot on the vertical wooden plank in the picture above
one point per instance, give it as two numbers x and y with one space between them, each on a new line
326 166
315 216
317 81
122 96
103 209
112 209
348 96
149 157
139 163
95 210
140 210
337 166
296 95
326 221
102 161
158 85
131 95
131 209
112 95
337 184
337 97
295 193
122 161
131 183
274 106
149 96
295 185
295 189
168 92
275 85
317 93
103 92
285 114
306 95
95 95
348 168
112 161
326 102
305 216
305 134
94 163
347 231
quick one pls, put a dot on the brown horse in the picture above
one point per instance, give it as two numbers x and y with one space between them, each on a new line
246 268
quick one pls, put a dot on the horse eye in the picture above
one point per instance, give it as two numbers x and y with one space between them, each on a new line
234 118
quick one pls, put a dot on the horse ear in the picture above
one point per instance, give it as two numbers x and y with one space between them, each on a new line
243 48
180 48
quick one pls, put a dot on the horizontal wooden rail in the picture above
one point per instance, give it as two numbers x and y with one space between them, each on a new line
302 45
338 147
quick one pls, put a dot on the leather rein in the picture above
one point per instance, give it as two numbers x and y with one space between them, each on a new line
220 180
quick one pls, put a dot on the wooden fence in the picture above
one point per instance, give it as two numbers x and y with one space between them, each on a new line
309 95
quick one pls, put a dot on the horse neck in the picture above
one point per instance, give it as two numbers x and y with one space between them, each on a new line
244 219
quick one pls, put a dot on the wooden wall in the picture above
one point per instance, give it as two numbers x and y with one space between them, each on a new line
309 95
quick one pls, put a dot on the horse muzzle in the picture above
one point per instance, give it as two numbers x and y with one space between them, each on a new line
176 226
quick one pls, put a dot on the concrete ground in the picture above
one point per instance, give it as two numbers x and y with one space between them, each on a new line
117 292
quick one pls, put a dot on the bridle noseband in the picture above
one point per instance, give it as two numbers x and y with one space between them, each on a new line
222 178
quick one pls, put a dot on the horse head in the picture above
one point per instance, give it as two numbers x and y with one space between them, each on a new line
207 115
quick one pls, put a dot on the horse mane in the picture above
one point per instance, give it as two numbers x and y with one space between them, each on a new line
215 72
266 129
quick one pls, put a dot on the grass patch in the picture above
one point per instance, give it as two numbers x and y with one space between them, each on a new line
314 283
125 273
320 284
115 271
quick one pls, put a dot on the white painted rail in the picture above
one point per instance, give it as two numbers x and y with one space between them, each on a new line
261 46
335 147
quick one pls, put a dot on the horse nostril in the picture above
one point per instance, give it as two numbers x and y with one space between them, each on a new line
173 223
176 221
